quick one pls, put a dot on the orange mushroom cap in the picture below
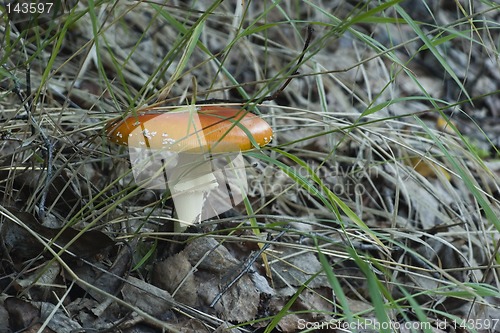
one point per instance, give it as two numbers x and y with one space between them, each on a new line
214 129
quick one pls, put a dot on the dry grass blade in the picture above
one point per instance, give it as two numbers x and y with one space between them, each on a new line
376 202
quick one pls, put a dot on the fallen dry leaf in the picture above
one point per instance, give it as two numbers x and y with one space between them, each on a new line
200 272
147 297
20 243
294 268
22 314
427 168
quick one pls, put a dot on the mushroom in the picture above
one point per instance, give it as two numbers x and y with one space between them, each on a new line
193 133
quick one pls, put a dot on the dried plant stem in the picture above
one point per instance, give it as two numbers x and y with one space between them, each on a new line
29 107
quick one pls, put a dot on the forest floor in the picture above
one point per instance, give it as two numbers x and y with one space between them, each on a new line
374 208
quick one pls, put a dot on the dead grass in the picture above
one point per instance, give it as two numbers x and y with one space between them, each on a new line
376 203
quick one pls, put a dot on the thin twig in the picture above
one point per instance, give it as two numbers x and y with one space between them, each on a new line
278 92
246 268
29 107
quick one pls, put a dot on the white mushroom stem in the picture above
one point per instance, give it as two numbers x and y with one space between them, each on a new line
190 182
